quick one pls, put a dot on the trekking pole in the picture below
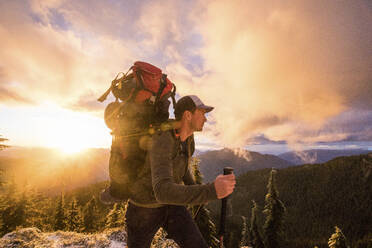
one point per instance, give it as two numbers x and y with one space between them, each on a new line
226 171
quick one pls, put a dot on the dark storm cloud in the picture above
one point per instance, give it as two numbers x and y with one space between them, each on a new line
355 124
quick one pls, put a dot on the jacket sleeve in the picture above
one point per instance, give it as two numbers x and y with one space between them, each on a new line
165 189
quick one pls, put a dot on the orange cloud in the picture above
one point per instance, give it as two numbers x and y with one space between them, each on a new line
52 64
277 69
274 68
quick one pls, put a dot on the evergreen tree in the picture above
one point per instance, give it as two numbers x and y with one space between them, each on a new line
49 214
91 216
337 240
39 212
24 209
74 218
7 206
256 240
31 212
16 209
244 238
14 215
59 219
2 147
202 214
116 217
274 210
22 216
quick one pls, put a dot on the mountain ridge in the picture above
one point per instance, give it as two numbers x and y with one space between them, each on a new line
213 162
316 156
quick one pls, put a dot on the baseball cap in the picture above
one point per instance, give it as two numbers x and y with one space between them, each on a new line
189 103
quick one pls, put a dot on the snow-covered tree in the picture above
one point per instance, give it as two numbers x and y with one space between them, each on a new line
337 240
274 210
245 230
256 240
160 240
116 217
201 213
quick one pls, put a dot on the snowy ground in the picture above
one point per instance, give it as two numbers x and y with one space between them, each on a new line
33 237
110 238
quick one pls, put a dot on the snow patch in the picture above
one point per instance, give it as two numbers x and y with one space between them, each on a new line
33 237
117 244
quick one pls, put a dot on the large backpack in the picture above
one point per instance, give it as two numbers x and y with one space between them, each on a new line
140 109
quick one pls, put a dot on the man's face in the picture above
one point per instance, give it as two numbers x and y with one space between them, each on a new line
198 119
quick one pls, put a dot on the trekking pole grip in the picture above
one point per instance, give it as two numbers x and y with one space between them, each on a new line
226 171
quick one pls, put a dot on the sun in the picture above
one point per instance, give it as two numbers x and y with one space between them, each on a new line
71 149
70 142
72 132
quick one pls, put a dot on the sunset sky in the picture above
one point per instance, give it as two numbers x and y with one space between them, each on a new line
280 74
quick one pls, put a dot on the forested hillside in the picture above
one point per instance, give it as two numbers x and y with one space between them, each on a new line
317 197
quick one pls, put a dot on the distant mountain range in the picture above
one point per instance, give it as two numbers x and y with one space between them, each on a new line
213 162
51 170
317 156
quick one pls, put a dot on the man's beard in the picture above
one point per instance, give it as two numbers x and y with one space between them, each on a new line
196 129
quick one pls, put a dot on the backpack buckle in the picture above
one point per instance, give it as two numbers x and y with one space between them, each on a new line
152 99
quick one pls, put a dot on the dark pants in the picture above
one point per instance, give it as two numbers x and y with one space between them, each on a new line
143 223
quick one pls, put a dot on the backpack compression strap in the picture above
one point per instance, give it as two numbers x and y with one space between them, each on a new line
163 83
173 95
155 96
113 83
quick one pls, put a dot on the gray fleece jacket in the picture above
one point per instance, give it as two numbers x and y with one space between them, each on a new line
166 177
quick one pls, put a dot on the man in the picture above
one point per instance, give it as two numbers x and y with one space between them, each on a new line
167 185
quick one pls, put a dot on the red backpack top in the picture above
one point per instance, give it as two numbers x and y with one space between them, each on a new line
147 82
152 81
144 97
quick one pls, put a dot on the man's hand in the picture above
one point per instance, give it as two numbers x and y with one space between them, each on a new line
224 185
